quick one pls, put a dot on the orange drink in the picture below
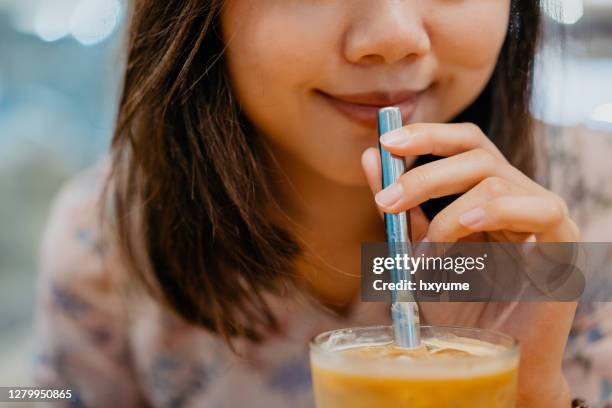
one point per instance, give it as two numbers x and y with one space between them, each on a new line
455 367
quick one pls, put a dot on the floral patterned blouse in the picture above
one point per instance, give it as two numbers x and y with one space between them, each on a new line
117 348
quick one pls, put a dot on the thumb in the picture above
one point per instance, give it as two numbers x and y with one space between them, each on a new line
370 161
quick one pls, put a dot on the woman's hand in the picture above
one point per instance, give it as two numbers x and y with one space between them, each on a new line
498 198
498 203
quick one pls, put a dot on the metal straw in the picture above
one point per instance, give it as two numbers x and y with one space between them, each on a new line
404 310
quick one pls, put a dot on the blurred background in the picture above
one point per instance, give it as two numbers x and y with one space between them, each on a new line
59 84
60 66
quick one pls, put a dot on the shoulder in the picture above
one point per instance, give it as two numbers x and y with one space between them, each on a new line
585 149
73 244
79 288
81 331
577 167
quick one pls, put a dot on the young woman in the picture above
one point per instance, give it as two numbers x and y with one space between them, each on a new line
240 188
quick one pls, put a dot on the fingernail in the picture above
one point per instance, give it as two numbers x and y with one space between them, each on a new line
395 138
472 217
389 195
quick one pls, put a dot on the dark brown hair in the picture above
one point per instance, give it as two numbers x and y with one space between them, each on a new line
192 227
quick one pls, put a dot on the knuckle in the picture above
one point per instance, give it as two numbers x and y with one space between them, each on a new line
471 128
558 210
496 186
474 134
417 178
486 160
440 226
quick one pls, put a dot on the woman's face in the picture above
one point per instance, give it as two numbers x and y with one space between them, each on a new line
310 74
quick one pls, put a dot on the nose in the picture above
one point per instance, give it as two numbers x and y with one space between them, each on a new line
386 31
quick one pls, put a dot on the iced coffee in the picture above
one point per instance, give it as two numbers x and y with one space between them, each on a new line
454 367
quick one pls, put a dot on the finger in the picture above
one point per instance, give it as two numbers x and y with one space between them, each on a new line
370 161
545 216
419 223
451 175
445 227
439 139
371 164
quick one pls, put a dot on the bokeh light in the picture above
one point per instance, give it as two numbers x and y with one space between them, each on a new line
52 19
94 20
603 113
89 22
565 11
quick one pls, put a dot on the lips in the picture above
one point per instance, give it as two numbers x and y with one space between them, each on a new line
362 108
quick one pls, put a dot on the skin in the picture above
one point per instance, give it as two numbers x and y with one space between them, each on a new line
447 49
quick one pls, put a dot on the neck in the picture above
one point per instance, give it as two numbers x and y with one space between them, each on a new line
330 221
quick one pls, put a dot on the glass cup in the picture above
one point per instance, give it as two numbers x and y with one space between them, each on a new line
457 367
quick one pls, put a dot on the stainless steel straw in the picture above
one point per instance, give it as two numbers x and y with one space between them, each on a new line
404 310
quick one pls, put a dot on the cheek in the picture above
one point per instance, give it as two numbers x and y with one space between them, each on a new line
274 58
271 50
467 45
253 56
472 38
272 55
